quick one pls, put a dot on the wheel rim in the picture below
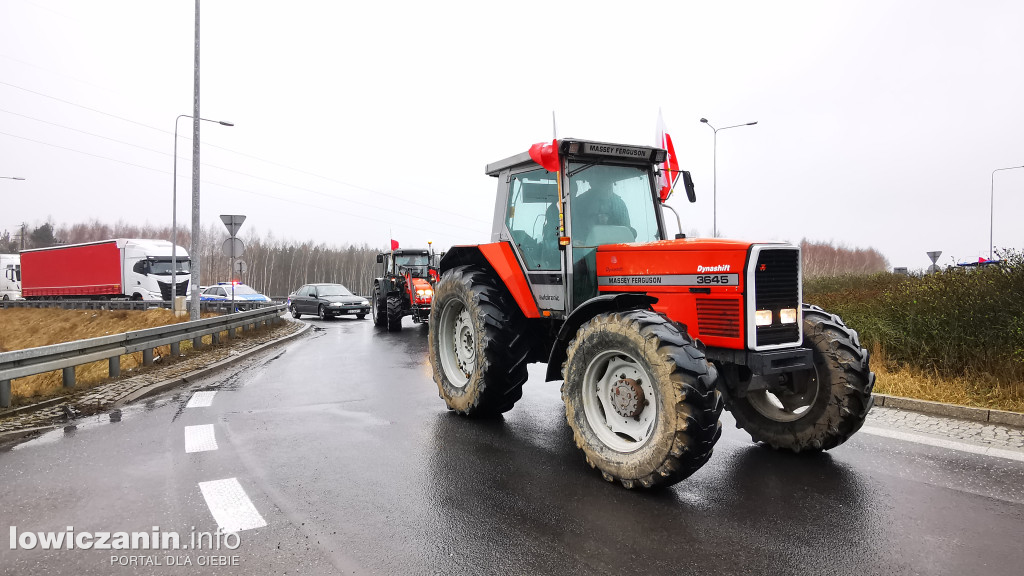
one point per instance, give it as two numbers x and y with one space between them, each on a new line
323 314
457 345
787 405
619 401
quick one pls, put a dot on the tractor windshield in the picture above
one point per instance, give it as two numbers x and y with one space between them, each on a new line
415 264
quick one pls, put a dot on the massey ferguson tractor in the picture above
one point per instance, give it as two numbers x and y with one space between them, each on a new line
405 287
651 333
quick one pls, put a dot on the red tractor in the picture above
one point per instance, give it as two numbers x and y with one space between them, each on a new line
405 287
651 335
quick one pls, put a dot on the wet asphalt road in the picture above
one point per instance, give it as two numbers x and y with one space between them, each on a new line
343 447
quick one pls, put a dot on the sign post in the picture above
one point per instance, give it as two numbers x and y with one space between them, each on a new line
233 247
934 257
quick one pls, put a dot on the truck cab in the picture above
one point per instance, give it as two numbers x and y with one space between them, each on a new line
10 277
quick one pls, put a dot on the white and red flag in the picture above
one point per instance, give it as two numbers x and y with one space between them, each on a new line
670 167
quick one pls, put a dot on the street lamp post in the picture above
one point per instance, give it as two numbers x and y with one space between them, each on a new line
714 180
992 207
174 209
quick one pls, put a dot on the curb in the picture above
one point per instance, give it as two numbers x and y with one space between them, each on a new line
154 389
1001 417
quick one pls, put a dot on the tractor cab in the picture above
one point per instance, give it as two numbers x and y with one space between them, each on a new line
586 195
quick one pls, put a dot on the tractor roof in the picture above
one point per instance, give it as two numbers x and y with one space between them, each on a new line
587 150
411 252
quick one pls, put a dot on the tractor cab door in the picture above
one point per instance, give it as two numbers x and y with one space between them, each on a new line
530 198
607 204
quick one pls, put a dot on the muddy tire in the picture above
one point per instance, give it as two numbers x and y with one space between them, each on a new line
379 307
640 398
394 313
478 345
834 403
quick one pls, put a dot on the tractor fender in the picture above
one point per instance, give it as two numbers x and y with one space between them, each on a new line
496 258
604 303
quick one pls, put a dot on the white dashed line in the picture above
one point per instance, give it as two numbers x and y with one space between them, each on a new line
201 399
200 438
942 443
230 506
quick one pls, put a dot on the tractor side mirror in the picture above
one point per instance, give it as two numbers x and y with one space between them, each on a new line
688 186
380 258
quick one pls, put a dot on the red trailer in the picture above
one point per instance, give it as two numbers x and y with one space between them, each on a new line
136 269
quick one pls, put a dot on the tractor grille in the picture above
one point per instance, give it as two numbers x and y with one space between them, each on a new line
718 317
165 289
777 286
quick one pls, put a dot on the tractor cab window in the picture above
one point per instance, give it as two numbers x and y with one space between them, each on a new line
415 264
609 205
532 218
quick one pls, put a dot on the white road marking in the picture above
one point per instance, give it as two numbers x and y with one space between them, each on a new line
200 438
201 399
230 506
943 443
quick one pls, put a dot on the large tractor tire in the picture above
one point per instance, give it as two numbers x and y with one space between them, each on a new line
478 345
640 399
394 313
829 403
379 307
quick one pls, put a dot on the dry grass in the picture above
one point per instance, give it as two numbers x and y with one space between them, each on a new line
28 328
982 390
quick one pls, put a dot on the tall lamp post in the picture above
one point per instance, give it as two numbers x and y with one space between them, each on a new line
174 209
714 180
992 207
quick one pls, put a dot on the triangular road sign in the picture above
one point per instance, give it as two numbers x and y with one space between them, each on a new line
933 255
232 222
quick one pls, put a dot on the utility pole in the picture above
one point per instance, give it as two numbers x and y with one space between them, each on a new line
23 236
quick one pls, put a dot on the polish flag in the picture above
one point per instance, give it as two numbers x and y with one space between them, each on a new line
394 244
546 155
669 168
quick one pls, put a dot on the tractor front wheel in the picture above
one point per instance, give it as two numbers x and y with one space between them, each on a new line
394 313
823 407
478 345
640 399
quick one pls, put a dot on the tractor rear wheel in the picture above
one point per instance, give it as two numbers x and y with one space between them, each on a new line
379 307
640 399
478 343
394 313
826 405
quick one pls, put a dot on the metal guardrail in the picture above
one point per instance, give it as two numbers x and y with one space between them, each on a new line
68 355
205 306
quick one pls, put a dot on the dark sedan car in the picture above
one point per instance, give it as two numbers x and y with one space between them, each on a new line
327 301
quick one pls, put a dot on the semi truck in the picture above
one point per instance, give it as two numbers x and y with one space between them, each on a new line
122 268
10 277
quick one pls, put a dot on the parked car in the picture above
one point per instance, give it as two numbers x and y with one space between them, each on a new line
327 301
222 291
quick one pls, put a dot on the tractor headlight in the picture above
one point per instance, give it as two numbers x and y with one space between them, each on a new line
424 292
763 318
787 315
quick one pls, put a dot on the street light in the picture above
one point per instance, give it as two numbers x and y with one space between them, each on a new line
12 177
714 181
992 205
174 210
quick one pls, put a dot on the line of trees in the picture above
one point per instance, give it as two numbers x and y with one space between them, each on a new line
277 267
826 259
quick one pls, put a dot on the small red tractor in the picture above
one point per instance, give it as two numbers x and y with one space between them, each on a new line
405 287
651 333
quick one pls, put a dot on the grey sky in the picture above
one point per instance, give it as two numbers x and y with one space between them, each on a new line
879 122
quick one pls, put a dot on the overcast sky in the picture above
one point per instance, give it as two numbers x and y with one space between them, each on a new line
879 123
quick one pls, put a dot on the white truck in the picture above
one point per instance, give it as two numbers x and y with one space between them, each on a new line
10 277
110 269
